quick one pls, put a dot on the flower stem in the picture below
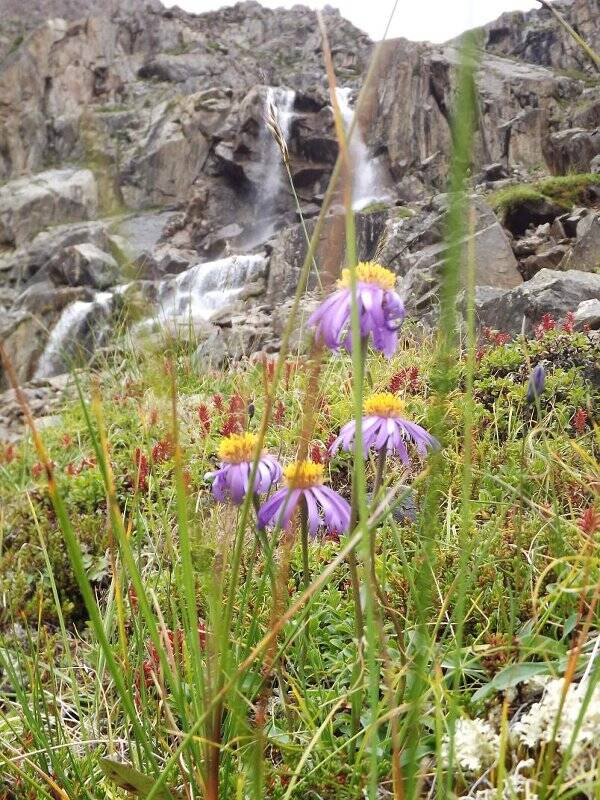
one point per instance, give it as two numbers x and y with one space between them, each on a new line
266 548
304 541
381 596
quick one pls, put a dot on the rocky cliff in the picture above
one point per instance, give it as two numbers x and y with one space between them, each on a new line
136 169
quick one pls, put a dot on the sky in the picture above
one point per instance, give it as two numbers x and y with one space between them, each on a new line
432 20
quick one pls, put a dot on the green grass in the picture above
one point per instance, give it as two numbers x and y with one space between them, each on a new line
532 481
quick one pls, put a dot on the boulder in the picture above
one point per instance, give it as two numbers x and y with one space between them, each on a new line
573 150
84 265
546 258
549 292
595 165
31 261
415 248
494 172
525 213
23 338
48 198
587 316
529 245
585 255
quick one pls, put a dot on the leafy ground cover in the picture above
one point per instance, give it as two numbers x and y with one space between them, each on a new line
522 566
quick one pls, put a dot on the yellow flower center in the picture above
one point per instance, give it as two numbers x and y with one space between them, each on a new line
238 447
384 405
370 272
303 474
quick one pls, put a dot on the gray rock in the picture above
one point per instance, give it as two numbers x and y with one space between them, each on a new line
572 150
84 265
546 258
23 340
168 158
139 237
415 248
31 261
533 36
588 315
48 198
494 172
289 251
549 292
586 252
595 165
528 245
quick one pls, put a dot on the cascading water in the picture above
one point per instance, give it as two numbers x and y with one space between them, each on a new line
82 327
278 102
198 293
368 182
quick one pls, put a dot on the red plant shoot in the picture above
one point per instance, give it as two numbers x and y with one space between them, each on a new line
204 417
568 325
163 451
580 420
547 323
590 521
143 470
406 378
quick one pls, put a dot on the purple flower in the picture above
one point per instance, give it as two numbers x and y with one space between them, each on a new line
381 310
231 481
384 427
537 381
325 508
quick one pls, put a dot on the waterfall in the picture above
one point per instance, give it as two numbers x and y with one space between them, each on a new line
281 102
270 169
199 292
368 181
82 326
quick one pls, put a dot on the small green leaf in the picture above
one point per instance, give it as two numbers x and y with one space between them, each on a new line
570 624
134 782
511 676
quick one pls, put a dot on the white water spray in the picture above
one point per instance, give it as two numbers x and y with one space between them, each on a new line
368 182
82 326
198 293
280 103
270 169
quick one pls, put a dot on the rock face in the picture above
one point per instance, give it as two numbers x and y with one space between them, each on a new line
137 169
27 205
414 246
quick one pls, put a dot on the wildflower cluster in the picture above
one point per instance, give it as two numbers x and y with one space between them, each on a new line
384 427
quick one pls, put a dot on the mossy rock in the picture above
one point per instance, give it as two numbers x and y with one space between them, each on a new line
525 204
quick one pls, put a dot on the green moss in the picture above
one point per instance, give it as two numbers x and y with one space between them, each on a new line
504 200
565 190
374 208
568 189
403 212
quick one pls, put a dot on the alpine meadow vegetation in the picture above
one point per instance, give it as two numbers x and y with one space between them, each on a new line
366 566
